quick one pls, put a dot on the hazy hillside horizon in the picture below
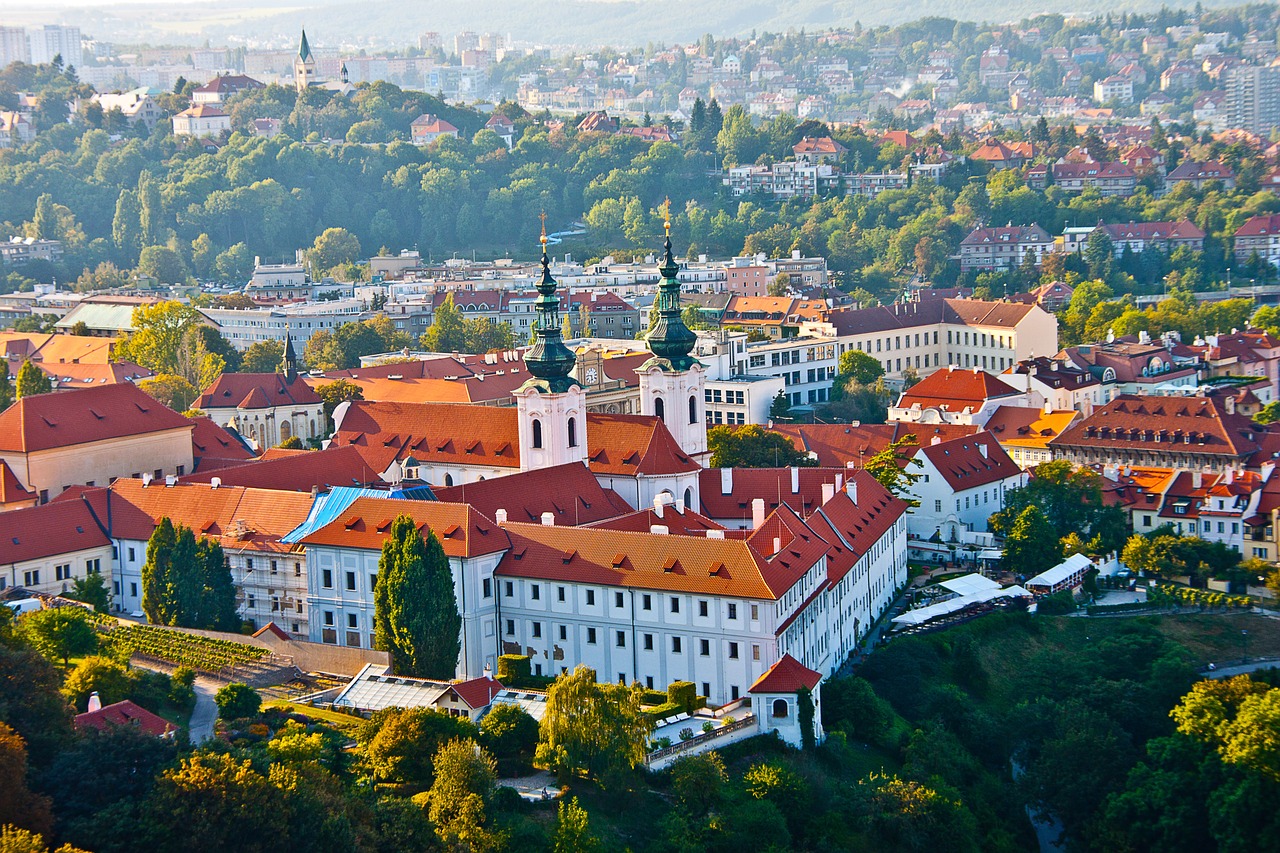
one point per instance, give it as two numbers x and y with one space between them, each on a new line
563 22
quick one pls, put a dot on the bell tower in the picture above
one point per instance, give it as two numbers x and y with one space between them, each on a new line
304 66
552 406
672 383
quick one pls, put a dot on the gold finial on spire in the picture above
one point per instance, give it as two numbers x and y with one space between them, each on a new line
666 215
543 217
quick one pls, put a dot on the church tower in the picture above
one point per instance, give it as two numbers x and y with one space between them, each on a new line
672 383
304 66
552 406
289 364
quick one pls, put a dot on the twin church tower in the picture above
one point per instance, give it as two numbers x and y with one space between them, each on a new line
553 406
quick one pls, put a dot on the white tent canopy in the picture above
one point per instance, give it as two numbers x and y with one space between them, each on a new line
969 584
926 614
1062 571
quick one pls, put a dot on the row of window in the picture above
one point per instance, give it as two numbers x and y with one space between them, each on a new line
620 640
620 600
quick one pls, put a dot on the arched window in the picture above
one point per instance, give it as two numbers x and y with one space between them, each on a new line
286 430
537 433
573 432
448 480
780 707
688 498
313 428
659 409
693 409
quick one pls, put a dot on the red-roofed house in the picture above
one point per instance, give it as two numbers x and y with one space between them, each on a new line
953 396
201 121
220 88
124 714
962 482
427 128
46 548
815 150
14 495
266 408
1004 247
1004 155
94 435
1261 236
1200 174
776 701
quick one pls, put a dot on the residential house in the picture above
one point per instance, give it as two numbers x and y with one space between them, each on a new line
201 121
954 396
1133 367
1260 235
220 89
816 150
46 549
1199 175
137 105
15 129
1025 432
428 127
1004 155
962 482
1109 179
1005 247
1059 384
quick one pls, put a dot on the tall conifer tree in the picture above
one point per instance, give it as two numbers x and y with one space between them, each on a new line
416 615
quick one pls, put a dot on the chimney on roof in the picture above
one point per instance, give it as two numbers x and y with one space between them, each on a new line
828 492
795 480
937 439
659 529
170 480
1229 403
982 448
757 513
500 516
680 506
1197 480
1231 476
715 534
658 504
549 519
951 368
976 371
146 480
852 489
839 481
215 482
726 481
1266 470
95 702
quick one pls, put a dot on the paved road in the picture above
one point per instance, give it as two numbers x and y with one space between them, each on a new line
1241 668
205 713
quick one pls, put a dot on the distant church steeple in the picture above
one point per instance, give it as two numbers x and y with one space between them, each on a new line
671 340
304 66
289 364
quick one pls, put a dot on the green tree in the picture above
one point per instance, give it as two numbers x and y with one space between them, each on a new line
752 446
59 632
447 332
334 247
699 781
159 332
203 256
464 784
890 467
207 801
1029 546
32 380
172 391
416 615
92 589
6 388
158 575
234 265
571 832
263 357
218 594
45 222
509 732
400 744
780 408
162 264
97 674
1099 253
596 730
860 367
780 285
236 701
335 393
19 805
126 227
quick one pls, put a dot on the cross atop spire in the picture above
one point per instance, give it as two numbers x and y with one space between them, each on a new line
671 340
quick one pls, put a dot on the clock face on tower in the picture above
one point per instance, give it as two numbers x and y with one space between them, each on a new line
592 375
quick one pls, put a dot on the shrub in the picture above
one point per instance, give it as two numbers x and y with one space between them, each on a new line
509 732
661 712
653 697
512 667
686 734
708 727
236 701
684 694
1056 604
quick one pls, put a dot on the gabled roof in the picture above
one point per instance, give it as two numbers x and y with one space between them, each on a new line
837 445
773 485
852 528
1165 424
125 713
684 522
929 312
818 145
299 472
955 390
11 488
202 111
478 692
788 675
1028 426
48 421
1260 226
255 391
1211 170
963 463
430 123
38 532
570 492
366 524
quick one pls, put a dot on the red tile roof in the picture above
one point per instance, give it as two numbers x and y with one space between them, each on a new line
37 532
100 413
686 523
1182 425
955 390
209 440
478 692
365 524
773 485
1260 226
836 445
255 391
570 492
853 528
125 713
1211 170
963 465
11 488
300 472
788 675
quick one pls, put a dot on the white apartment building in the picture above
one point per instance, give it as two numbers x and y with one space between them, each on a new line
806 364
962 482
47 548
246 326
52 40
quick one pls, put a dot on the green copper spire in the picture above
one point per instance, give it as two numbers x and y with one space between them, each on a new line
671 340
304 49
549 360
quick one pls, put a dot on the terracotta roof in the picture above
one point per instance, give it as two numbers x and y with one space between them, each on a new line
230 84
773 485
570 492
1015 234
788 675
37 532
1164 424
478 692
1028 426
213 441
431 123
1259 226
301 472
928 312
255 391
11 488
203 111
366 523
686 523
817 145
850 528
125 713
672 563
837 445
962 464
54 349
1092 170
48 421
1211 170
955 390
273 629
1184 230
71 377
